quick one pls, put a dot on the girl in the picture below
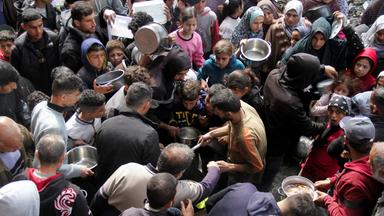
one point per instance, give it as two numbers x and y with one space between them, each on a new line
319 165
250 26
188 39
231 13
271 13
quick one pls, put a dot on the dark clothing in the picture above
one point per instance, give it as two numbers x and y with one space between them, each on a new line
373 11
35 60
181 117
10 12
6 175
335 52
57 195
128 137
255 99
14 106
147 212
378 122
49 19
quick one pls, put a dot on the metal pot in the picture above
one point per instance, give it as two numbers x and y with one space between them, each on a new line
316 12
152 37
114 78
83 155
256 50
292 181
188 136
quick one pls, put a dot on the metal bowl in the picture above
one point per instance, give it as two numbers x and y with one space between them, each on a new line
114 78
256 50
188 136
316 12
83 155
294 181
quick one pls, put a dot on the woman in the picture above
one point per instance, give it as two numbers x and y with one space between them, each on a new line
250 26
374 38
336 53
271 14
280 33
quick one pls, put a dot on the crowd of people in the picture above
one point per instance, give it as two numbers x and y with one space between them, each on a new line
316 83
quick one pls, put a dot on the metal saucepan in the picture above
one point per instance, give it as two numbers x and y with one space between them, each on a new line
152 37
188 136
292 185
316 12
114 78
83 155
256 50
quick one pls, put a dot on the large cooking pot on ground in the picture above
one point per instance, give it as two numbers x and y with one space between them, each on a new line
83 155
292 185
151 38
255 51
188 136
316 12
114 78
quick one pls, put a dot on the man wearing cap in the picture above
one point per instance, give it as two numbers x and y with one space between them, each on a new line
376 160
355 191
35 53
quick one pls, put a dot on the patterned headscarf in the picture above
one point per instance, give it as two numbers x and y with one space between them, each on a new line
369 39
243 29
341 102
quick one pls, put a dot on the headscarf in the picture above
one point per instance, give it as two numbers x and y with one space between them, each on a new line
369 38
243 29
367 81
302 30
340 102
268 5
298 7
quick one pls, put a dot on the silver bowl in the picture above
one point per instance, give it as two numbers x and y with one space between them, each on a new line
83 155
188 136
256 50
293 182
114 78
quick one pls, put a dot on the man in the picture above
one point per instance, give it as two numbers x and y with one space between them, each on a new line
247 143
47 117
57 195
128 137
355 190
161 191
83 27
286 119
13 156
243 199
35 53
12 104
377 110
376 160
126 186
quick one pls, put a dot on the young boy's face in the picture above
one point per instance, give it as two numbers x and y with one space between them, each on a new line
200 6
380 82
116 56
190 104
98 113
97 59
222 60
335 114
6 47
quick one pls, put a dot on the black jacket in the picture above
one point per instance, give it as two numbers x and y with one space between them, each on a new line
128 137
286 119
15 107
36 64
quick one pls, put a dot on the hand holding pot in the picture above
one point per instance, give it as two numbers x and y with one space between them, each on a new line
103 89
323 184
85 171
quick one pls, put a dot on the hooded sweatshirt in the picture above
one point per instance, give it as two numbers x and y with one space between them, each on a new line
208 29
355 191
88 73
367 81
214 73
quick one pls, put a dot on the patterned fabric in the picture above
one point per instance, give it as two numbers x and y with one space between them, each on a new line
340 102
65 201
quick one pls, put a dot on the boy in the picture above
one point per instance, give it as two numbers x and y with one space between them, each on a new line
115 51
7 42
82 126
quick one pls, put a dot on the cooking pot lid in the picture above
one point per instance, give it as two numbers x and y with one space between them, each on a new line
336 28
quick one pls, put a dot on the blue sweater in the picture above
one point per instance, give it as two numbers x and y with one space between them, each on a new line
214 73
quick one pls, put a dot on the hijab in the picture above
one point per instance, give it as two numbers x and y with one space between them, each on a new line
297 6
243 29
369 38
367 81
268 5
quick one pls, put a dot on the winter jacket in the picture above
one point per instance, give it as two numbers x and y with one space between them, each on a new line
355 190
14 106
286 119
36 63
6 175
214 73
378 122
57 195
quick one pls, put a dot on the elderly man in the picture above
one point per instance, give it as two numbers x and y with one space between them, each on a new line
376 160
13 157
247 144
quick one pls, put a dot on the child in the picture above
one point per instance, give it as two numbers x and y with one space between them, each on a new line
7 42
94 58
231 13
188 39
319 165
84 124
362 67
115 51
207 26
223 62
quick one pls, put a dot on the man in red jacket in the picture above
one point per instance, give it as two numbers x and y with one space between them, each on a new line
355 190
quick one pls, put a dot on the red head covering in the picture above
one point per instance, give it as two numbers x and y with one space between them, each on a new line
367 81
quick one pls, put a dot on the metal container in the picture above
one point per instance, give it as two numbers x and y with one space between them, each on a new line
290 181
256 50
188 136
316 12
114 78
83 155
151 38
